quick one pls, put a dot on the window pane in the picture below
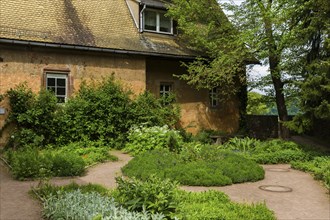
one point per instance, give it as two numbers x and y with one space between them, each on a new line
150 20
165 23
50 81
61 82
60 91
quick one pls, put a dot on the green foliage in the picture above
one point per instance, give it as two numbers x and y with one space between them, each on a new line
195 165
204 27
29 163
152 111
204 136
242 144
33 115
318 166
199 174
256 105
217 205
33 163
267 152
91 152
100 111
78 205
25 137
67 164
46 190
154 195
142 139
186 205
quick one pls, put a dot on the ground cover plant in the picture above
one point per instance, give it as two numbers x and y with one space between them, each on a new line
150 199
319 166
275 151
202 165
70 160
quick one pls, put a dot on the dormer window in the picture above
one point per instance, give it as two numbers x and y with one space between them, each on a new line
155 21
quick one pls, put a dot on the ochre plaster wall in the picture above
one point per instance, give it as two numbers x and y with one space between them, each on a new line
19 65
196 112
28 65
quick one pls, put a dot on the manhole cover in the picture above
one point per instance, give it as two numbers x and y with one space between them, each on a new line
275 188
277 169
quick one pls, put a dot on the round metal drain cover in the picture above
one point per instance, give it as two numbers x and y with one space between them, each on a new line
275 188
277 169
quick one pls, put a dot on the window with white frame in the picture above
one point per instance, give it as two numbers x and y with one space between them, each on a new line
165 89
214 97
155 21
58 83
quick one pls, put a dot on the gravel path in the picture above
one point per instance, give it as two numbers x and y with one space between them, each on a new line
307 200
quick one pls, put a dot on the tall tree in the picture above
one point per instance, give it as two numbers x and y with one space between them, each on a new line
263 28
312 29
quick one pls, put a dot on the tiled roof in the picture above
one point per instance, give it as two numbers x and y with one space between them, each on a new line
94 23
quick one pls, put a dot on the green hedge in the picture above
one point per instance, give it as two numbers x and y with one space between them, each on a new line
100 110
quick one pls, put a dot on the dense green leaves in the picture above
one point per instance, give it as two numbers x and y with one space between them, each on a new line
205 28
100 111
197 165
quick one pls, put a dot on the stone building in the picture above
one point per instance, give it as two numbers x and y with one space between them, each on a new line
57 44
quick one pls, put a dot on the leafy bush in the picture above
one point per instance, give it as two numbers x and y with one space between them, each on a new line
267 152
91 152
207 166
142 139
34 116
242 144
29 163
33 163
154 195
198 174
85 206
67 164
217 205
152 111
99 112
318 166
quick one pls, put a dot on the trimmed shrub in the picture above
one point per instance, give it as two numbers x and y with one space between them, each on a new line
208 167
198 174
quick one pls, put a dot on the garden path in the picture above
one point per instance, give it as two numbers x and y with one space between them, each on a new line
308 199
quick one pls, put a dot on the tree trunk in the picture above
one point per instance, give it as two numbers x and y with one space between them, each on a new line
274 56
281 106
